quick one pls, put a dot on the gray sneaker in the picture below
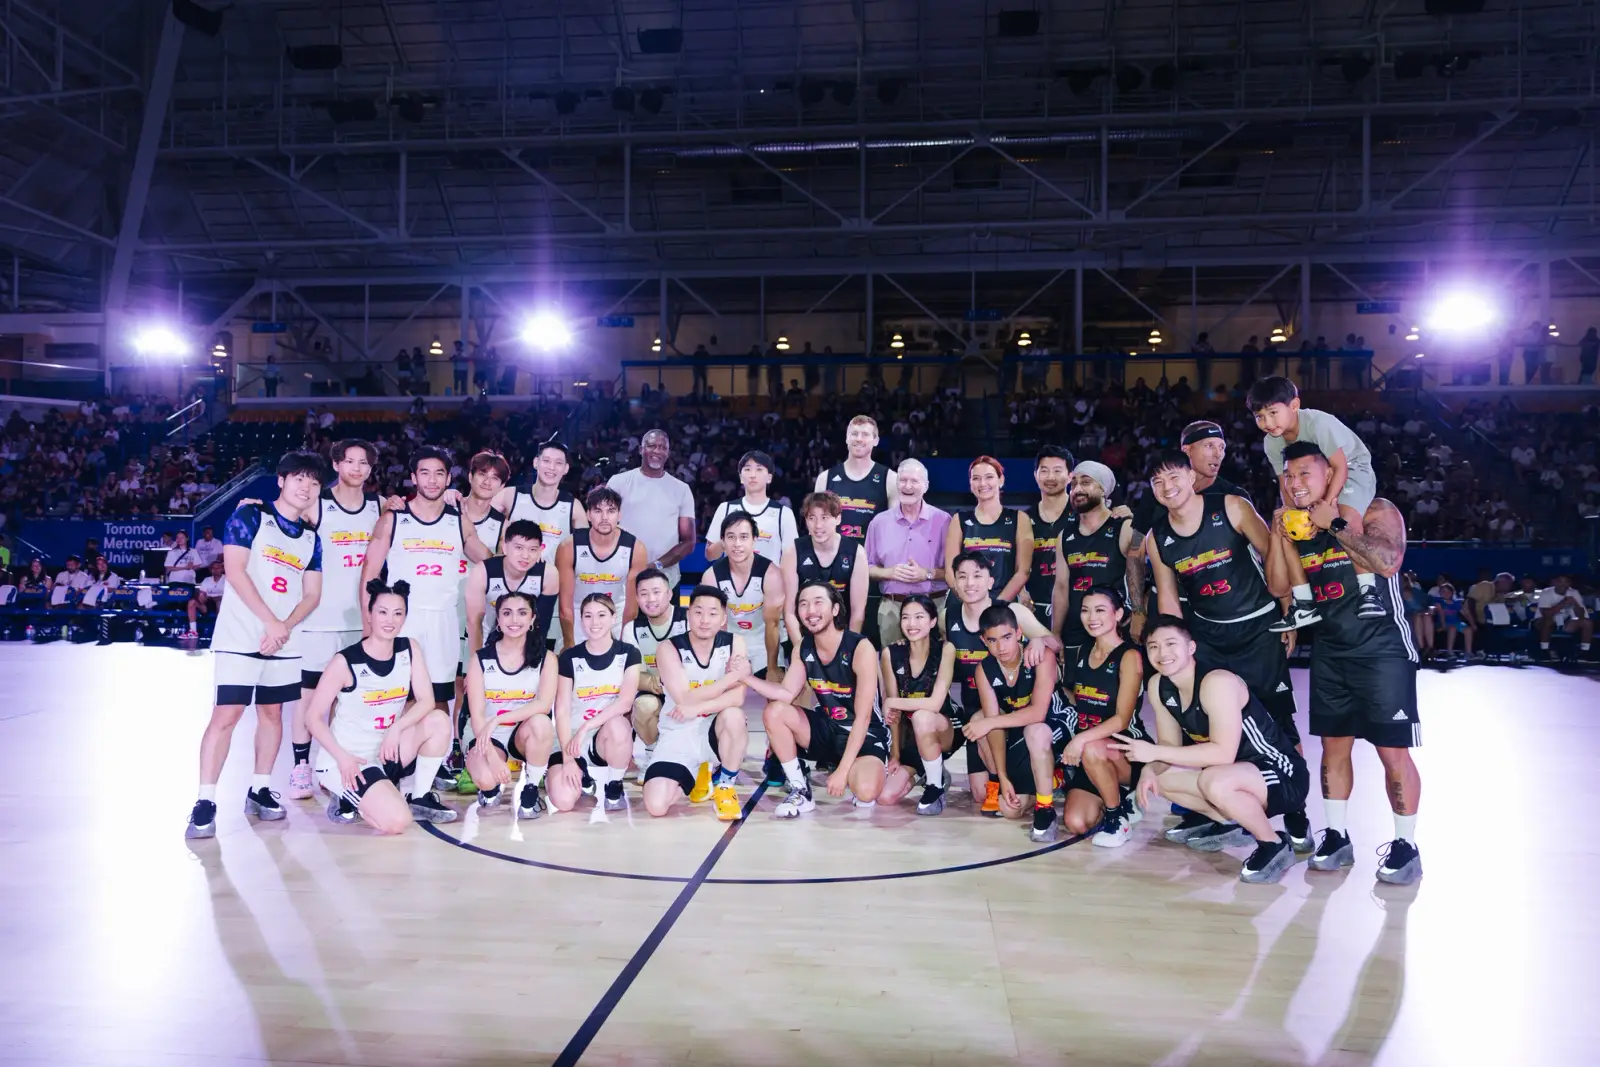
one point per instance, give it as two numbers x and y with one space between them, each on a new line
489 798
1192 824
202 821
529 803
1269 862
1401 864
615 799
1045 827
1224 836
1334 853
342 812
263 804
427 807
932 802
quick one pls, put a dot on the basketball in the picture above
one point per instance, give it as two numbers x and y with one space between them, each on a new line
1297 524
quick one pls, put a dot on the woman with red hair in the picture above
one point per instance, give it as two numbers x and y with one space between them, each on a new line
1003 535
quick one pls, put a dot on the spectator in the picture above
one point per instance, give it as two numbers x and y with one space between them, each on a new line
1560 608
657 507
34 579
1588 356
270 375
70 584
905 548
181 561
102 580
208 595
458 369
208 548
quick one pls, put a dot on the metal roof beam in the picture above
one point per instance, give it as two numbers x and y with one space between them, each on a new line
338 209
71 227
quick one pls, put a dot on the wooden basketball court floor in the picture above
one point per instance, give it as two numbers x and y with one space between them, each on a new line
846 938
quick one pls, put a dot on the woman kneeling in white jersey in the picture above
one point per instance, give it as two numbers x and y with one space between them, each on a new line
511 687
386 727
599 681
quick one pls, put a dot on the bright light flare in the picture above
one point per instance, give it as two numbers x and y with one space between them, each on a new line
159 341
1461 311
545 330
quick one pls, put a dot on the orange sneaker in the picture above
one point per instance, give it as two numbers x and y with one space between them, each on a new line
991 800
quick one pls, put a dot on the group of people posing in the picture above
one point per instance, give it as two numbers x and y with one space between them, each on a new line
1024 640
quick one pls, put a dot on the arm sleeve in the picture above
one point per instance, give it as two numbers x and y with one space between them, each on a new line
242 526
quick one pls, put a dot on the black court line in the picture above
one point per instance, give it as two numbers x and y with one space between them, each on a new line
619 988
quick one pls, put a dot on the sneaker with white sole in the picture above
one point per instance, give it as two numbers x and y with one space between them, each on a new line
795 804
427 807
1334 851
1114 830
489 798
1225 835
615 799
341 812
263 804
529 804
1401 862
1045 825
1301 614
202 821
300 787
1269 862
932 802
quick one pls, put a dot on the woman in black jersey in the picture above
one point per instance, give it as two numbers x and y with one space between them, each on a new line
511 688
917 674
1003 535
1107 686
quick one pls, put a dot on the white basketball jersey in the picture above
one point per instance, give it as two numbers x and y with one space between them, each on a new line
746 606
645 637
555 521
496 586
775 526
281 552
504 692
592 574
431 556
489 528
344 536
596 679
700 674
373 701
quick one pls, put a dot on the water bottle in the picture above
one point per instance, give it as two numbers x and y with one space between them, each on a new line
28 634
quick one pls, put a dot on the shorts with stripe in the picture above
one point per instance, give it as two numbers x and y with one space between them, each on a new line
1287 789
1255 654
243 679
1019 767
1373 698
330 779
317 648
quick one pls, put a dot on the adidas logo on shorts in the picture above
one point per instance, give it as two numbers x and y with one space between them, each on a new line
1399 716
1283 687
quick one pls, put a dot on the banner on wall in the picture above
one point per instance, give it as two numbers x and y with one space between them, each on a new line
122 541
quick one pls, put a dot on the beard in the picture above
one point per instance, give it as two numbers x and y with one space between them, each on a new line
1084 505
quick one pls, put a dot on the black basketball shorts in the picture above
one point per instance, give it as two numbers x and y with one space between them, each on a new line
828 740
1371 698
1255 654
1019 767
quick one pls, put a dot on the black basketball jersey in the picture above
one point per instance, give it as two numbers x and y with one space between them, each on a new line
1092 559
834 683
1148 508
1217 570
810 568
859 499
910 683
1018 693
1042 582
1094 689
970 649
995 540
1261 740
1332 575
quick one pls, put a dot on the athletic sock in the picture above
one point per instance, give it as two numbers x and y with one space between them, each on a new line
1405 827
209 792
1367 581
791 771
535 774
302 753
1583 646
933 770
1544 646
260 781
1334 811
1302 592
1044 800
725 776
427 768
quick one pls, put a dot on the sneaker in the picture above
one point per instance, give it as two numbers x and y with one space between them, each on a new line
463 783
300 782
1044 825
444 779
1369 605
1299 828
263 804
529 806
1402 863
1191 825
488 798
202 820
702 784
1269 862
1300 614
991 800
586 783
1114 831
1334 852
615 801
773 769
1222 835
341 811
429 808
932 802
726 803
796 804
1130 809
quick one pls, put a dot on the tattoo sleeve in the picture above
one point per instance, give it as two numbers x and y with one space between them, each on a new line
1379 547
1136 582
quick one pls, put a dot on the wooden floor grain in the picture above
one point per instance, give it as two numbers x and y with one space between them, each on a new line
306 943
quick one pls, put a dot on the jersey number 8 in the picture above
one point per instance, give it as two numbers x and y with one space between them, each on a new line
280 584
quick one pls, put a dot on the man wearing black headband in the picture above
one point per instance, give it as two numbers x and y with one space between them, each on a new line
1205 445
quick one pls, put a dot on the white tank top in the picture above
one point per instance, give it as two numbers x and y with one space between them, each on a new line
713 670
645 638
745 606
344 536
775 526
431 556
281 552
372 702
596 680
591 574
504 692
555 521
496 587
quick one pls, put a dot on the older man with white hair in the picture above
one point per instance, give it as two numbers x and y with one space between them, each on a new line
905 548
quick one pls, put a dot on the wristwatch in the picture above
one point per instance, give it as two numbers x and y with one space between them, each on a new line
1338 525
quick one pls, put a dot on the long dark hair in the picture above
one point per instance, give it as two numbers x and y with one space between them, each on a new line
935 635
841 614
534 645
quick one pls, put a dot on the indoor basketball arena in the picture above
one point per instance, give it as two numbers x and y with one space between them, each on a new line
792 533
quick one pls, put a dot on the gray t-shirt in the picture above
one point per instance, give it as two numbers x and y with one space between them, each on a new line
1328 434
651 508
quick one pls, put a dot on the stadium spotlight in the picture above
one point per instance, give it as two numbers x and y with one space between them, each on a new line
1413 334
160 341
1278 336
1024 339
1553 331
544 330
1461 311
900 342
782 345
1155 336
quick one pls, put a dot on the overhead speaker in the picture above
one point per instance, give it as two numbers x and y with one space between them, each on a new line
622 98
316 57
566 102
1129 78
661 42
1017 23
196 17
1453 7
651 100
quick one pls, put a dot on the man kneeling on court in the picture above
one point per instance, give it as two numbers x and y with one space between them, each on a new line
702 714
1221 752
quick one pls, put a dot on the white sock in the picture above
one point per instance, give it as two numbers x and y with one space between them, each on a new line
1367 581
427 767
260 781
1405 828
791 771
209 792
1302 592
1583 646
535 774
1334 812
934 770
1544 646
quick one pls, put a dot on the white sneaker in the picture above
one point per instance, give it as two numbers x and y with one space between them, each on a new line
1114 838
796 804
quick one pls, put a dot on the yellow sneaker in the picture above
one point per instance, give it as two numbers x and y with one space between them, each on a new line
702 785
991 800
726 801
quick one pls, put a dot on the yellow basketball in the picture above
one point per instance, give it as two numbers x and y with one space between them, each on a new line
1297 524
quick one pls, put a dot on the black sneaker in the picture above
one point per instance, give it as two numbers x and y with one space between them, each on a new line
1402 863
774 772
932 802
1299 828
1369 605
427 807
615 801
1269 862
1301 613
1193 824
488 798
341 811
529 806
1221 835
1044 824
263 804
202 820
1334 852
444 779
